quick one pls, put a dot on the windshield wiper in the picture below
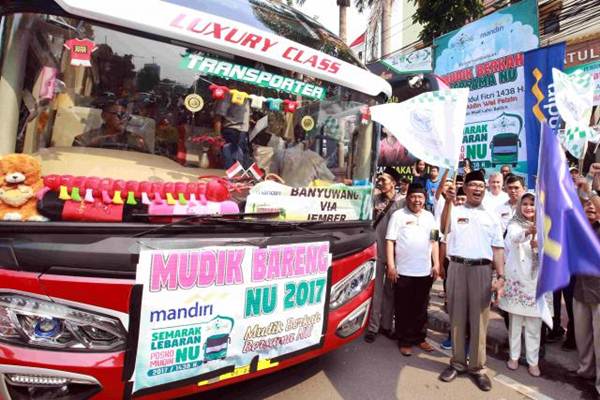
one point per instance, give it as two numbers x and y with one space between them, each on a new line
186 218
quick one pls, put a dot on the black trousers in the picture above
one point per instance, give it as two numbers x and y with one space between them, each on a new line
412 298
567 294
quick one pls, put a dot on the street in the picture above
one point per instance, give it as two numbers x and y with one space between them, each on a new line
363 371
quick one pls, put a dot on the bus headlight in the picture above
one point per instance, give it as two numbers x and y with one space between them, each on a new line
349 287
39 323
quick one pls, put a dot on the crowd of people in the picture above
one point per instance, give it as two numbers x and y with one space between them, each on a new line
478 234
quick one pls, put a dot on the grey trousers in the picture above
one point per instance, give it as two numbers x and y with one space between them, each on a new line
587 336
469 291
382 308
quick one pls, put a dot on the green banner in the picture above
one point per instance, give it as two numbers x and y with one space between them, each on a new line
511 30
226 70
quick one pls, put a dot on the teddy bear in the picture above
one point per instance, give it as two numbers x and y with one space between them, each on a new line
20 180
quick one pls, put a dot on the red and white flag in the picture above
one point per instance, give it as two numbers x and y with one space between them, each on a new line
235 169
255 171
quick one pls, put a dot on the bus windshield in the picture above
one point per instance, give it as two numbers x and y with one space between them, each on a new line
126 127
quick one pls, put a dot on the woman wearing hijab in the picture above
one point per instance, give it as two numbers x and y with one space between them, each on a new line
521 273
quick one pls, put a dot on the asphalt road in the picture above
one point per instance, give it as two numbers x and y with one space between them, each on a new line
361 371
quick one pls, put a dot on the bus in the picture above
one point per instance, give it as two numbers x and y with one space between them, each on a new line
505 149
170 165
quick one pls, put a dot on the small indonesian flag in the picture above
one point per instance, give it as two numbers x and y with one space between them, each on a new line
235 169
255 171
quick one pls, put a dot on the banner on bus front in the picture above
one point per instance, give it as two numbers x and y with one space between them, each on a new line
227 310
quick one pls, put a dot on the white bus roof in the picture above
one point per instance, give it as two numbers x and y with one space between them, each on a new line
180 20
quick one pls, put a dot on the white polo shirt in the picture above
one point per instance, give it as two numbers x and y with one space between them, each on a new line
412 234
473 233
504 212
491 201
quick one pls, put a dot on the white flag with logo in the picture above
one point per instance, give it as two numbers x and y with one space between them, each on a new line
574 99
430 125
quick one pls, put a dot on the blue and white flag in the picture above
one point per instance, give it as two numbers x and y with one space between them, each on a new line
568 245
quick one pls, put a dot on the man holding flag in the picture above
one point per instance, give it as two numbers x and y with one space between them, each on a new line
430 126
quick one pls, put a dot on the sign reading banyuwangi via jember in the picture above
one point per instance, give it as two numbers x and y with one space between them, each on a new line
220 309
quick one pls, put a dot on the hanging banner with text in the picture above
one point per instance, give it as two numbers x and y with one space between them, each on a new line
333 203
228 310
540 99
494 133
511 30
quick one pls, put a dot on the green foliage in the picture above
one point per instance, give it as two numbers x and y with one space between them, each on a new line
361 5
442 16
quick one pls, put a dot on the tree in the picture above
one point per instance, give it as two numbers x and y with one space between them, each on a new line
380 9
343 22
442 16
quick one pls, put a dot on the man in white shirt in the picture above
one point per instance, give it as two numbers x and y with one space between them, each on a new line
495 196
474 244
411 242
515 187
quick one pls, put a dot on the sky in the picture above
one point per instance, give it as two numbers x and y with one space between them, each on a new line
326 12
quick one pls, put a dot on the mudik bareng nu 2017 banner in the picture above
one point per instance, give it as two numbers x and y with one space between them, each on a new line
227 310
494 132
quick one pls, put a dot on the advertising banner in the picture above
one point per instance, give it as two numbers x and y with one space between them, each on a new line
511 30
412 63
227 310
540 99
327 204
494 131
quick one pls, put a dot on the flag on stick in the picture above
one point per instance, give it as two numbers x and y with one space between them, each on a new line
430 125
567 244
235 169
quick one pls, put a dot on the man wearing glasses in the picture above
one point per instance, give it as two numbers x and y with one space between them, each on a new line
475 247
112 134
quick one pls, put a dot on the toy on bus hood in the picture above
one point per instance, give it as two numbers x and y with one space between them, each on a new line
20 180
94 199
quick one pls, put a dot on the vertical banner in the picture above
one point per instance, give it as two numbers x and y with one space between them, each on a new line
513 29
223 311
494 131
540 101
487 57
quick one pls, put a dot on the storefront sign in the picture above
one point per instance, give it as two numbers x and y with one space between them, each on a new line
511 30
415 62
216 311
226 70
326 204
582 53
